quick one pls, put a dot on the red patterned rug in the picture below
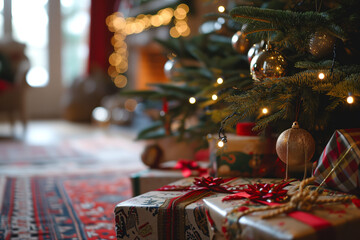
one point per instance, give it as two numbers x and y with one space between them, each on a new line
63 207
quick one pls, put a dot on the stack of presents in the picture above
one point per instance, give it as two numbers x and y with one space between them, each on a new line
240 192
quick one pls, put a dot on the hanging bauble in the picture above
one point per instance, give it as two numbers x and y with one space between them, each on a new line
254 50
171 68
240 42
221 27
267 64
152 155
209 27
295 146
321 44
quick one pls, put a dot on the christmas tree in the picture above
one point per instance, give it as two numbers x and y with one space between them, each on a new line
308 72
304 67
196 68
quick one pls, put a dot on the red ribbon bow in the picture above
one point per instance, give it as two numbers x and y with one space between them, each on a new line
262 192
212 184
206 183
187 166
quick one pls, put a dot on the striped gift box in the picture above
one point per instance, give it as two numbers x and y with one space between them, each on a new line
344 144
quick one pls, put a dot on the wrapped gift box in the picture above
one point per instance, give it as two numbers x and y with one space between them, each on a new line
147 216
151 179
341 221
246 156
344 143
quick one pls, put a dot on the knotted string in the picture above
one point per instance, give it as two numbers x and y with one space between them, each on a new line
304 200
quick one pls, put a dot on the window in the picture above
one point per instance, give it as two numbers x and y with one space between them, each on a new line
30 25
1 17
75 32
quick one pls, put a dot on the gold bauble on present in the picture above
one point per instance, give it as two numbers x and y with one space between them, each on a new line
321 44
268 64
240 42
295 146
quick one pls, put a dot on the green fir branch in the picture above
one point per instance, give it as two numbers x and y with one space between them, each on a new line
263 122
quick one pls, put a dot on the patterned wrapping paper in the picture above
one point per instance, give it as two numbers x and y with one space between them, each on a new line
343 218
346 176
244 156
139 217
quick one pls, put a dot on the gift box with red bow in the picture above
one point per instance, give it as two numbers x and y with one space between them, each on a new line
174 211
171 171
342 150
274 209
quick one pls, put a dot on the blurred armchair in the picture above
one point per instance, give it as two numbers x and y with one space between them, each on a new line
14 66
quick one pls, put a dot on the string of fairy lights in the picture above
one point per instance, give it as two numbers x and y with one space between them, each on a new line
123 27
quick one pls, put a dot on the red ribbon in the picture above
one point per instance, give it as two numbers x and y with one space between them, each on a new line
212 184
169 214
206 183
262 192
323 228
188 166
165 106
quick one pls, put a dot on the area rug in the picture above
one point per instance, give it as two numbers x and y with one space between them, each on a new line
71 156
63 207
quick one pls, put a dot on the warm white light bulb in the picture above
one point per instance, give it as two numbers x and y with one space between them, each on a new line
350 100
192 100
321 76
265 111
221 9
220 144
220 80
214 97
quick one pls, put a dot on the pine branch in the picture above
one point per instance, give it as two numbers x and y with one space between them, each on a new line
154 131
297 25
312 65
263 122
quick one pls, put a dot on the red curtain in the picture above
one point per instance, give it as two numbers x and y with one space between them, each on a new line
99 46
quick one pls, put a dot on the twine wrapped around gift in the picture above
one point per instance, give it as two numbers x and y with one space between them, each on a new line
301 202
304 200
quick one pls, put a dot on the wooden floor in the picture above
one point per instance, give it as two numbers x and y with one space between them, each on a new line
45 132
63 147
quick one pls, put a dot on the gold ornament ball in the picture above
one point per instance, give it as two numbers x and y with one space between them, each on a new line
171 68
240 43
321 44
295 146
268 64
221 27
254 50
152 155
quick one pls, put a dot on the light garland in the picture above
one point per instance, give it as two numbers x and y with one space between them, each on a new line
350 99
221 9
220 144
192 100
321 76
265 110
122 27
